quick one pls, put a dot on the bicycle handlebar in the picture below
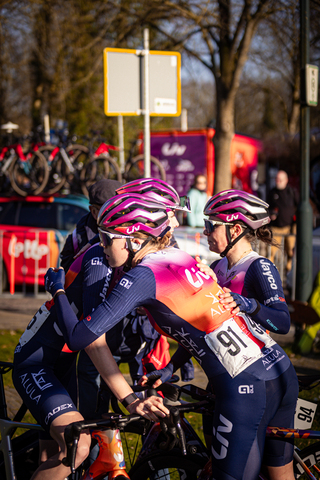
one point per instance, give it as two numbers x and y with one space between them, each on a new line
72 433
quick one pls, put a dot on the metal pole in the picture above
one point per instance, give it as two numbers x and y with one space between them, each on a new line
46 121
304 212
121 142
147 172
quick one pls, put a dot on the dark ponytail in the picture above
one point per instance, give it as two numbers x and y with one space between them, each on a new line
264 234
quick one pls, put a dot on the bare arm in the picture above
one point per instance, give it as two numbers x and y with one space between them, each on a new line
100 354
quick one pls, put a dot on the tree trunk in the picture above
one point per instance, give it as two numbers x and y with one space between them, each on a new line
222 144
294 118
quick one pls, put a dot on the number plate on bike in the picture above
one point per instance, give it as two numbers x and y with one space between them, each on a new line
237 344
305 412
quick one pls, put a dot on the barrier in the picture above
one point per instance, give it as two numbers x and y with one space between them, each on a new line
27 246
25 256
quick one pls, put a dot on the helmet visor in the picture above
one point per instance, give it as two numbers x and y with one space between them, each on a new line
211 225
106 238
184 204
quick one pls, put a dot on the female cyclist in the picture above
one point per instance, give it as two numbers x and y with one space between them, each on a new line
136 325
253 378
45 377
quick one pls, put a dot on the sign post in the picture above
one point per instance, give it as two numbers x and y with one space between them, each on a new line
146 111
304 211
142 82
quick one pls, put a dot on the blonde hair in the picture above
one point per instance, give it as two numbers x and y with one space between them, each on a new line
154 244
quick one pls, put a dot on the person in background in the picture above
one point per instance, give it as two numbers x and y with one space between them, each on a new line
198 198
283 202
86 228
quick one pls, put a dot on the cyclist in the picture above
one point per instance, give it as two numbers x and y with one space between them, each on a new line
252 376
135 329
251 285
44 376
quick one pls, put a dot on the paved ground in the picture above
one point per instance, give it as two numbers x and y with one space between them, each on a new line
17 311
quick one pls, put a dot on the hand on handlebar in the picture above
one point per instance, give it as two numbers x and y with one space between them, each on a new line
151 408
147 379
164 373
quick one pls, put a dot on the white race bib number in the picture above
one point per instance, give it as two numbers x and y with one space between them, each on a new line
305 412
36 323
237 346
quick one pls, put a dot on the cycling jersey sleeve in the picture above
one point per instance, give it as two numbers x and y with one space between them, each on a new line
213 264
263 283
133 290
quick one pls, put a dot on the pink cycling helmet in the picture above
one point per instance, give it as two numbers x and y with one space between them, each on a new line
158 191
137 210
231 206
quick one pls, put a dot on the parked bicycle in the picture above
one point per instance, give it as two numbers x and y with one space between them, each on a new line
134 166
26 172
65 161
100 164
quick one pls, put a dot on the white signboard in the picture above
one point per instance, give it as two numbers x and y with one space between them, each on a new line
123 82
312 76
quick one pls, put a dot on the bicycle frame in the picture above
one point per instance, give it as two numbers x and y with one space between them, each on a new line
104 148
110 457
7 428
8 160
15 149
64 155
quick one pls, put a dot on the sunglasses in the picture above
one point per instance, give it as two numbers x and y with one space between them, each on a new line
107 238
185 203
211 225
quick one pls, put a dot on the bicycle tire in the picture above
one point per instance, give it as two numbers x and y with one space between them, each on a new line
58 170
311 457
30 182
134 169
172 463
99 168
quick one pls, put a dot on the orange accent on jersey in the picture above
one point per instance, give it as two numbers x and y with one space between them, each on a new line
198 306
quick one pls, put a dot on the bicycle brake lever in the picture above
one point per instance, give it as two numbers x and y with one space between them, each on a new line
71 435
175 414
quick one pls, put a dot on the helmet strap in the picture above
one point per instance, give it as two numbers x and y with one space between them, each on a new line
232 242
132 252
166 230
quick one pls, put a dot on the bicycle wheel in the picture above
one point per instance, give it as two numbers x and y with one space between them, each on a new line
31 176
99 168
311 457
168 465
58 170
135 168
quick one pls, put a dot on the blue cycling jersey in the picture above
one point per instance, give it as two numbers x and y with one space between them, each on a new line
38 378
257 277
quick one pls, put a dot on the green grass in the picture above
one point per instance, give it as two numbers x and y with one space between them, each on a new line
8 342
10 338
